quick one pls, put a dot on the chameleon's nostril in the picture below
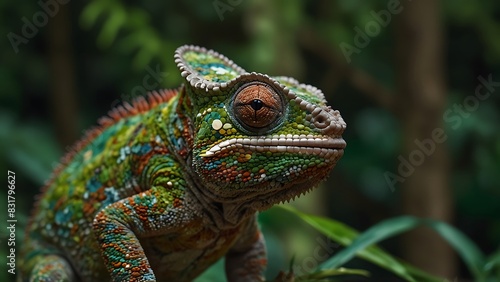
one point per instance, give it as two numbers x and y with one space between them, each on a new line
326 120
320 120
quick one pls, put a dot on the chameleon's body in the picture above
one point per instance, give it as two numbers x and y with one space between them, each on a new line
169 184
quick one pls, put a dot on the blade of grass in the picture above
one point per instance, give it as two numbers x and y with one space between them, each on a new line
492 262
468 250
374 234
345 236
327 273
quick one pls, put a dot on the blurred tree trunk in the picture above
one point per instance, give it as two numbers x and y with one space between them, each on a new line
62 97
422 100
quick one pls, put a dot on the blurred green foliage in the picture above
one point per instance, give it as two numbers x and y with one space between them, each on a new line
115 42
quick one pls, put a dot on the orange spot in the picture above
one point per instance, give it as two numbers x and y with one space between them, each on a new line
88 208
136 274
177 203
100 194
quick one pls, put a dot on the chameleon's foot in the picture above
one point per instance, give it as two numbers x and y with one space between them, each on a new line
52 268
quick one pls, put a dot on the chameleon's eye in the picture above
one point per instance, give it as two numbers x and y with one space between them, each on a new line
257 106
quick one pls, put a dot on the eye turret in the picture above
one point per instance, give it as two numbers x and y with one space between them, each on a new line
257 106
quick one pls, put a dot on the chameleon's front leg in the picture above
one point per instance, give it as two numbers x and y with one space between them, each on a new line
117 227
246 261
120 248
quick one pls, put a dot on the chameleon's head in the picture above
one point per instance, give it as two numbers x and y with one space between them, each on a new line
258 140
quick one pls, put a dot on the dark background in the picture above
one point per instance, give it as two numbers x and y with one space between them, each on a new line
397 70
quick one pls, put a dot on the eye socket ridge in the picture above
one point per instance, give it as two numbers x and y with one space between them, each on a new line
256 106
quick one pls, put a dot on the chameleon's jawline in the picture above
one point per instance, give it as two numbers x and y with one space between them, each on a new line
276 190
305 144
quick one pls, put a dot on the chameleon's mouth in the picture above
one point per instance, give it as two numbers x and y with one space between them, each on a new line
323 146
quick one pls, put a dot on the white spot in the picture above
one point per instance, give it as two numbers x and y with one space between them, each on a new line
217 124
215 148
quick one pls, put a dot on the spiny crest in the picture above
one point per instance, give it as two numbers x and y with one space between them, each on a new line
139 105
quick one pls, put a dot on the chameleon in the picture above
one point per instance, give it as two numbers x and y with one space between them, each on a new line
167 184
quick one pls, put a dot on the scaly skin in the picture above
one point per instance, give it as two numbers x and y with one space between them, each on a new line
166 186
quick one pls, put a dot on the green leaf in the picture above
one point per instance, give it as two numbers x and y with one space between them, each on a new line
116 20
326 273
345 235
468 250
376 233
493 262
35 159
362 245
92 11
